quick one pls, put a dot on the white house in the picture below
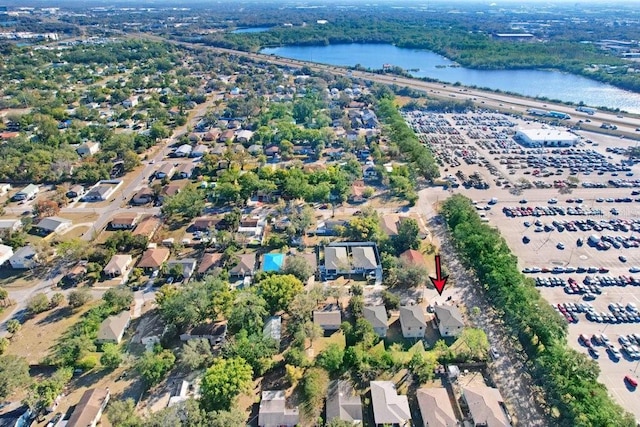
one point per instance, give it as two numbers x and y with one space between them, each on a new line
53 224
388 406
130 102
27 193
113 327
4 188
377 316
10 225
118 266
6 252
88 149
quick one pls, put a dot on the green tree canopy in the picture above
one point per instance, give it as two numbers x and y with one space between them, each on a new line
279 290
224 381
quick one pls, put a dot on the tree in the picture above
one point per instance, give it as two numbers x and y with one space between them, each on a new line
37 304
279 290
79 297
42 393
311 331
111 356
14 374
224 381
293 374
122 413
331 358
44 208
408 235
472 343
153 366
298 267
190 414
315 384
301 218
248 312
72 250
4 297
187 204
4 345
13 326
256 350
410 275
118 299
57 299
422 365
390 300
195 354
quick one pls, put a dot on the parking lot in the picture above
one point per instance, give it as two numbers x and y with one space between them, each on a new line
549 202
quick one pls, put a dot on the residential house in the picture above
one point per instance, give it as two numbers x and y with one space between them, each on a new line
273 262
27 193
5 136
165 171
343 403
246 266
194 138
184 171
364 259
113 327
377 316
153 258
449 320
75 275
254 149
118 266
272 152
143 196
6 252
273 329
243 136
199 151
227 136
329 318
218 149
204 223
209 262
357 191
413 257
10 225
88 411
23 258
251 231
215 332
130 102
486 406
99 193
188 266
359 258
388 406
88 149
183 151
75 191
124 221
329 227
53 224
370 173
147 227
412 321
169 190
212 135
435 407
273 410
389 224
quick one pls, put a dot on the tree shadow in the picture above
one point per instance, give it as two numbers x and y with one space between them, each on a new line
55 315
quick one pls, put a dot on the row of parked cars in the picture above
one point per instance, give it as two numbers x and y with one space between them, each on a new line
538 211
568 269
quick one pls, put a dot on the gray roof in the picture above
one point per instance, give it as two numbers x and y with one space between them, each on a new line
484 405
100 191
376 315
188 265
52 223
335 258
343 402
364 257
449 316
388 406
436 408
8 223
273 411
328 317
412 315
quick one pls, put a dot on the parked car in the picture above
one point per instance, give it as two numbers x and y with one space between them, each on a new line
631 381
493 352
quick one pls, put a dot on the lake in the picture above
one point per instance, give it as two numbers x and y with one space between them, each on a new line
250 30
424 63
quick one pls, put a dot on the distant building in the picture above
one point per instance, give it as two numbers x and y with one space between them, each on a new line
88 149
546 138
273 329
514 36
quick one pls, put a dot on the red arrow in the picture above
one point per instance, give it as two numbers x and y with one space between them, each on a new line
439 281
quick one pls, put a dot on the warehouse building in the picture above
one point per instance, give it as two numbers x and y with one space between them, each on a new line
548 137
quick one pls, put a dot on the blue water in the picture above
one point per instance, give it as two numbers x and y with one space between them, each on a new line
250 30
550 84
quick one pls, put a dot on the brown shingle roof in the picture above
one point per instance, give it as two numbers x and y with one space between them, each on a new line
154 257
209 260
147 227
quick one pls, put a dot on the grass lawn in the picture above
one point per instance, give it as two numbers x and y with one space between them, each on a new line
38 334
17 279
320 344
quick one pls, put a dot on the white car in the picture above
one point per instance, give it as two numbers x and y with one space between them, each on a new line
493 352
